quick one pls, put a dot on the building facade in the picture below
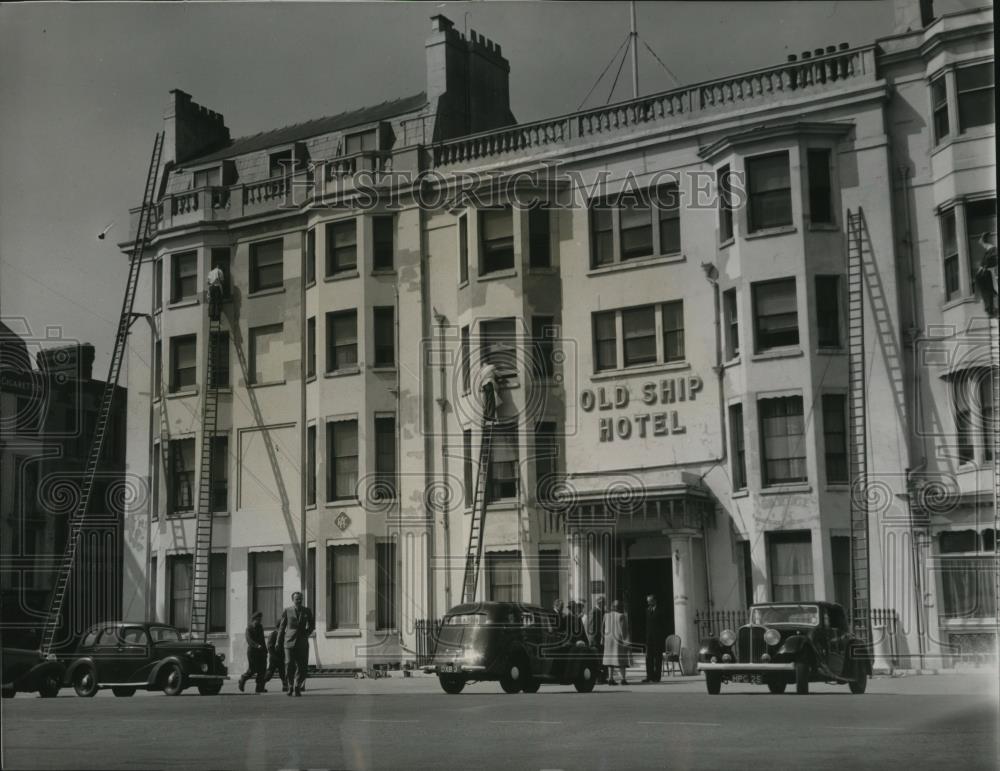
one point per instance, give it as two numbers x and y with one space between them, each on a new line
661 283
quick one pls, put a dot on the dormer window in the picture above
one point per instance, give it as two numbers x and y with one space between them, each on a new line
208 177
281 163
360 142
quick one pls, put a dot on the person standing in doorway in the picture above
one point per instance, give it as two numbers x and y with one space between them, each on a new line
297 623
256 654
655 636
615 638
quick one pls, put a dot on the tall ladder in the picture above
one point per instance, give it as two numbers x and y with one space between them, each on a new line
203 515
76 522
857 429
474 553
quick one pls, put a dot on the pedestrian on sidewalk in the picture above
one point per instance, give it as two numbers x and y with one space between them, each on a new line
656 635
615 634
297 623
276 655
256 653
595 633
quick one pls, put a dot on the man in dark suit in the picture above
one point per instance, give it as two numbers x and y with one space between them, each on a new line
595 632
297 623
656 633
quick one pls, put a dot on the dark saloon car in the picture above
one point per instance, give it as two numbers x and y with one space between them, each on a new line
28 670
520 646
787 642
128 656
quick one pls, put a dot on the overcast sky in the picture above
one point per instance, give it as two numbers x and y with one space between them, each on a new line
83 88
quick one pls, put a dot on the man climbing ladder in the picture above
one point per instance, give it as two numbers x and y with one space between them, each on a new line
216 280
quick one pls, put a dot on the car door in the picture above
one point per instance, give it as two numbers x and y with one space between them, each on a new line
836 639
133 654
105 655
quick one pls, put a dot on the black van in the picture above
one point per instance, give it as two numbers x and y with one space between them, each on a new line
521 646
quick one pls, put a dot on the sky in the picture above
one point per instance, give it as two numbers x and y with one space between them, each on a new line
83 87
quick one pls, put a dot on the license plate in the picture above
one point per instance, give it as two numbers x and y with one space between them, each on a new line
751 679
449 668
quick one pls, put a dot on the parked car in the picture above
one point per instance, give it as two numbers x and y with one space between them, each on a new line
130 656
27 670
784 643
521 646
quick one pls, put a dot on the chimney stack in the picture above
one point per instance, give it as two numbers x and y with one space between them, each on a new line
191 130
912 15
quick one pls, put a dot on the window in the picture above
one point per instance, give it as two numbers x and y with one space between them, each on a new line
639 335
179 580
385 457
602 233
208 177
673 331
820 186
342 569
738 441
636 231
217 575
342 452
498 338
184 278
496 232
267 583
732 324
546 452
770 189
972 400
362 141
791 566
221 258
157 368
385 336
281 163
539 238
311 598
220 473
385 586
968 587
503 576
341 340
180 496
605 341
976 100
949 242
835 438
782 434
383 235
725 204
341 247
152 589
548 577
311 256
776 318
311 466
463 249
267 354
939 106
840 559
986 411
502 482
746 565
828 311
157 285
183 362
980 217
467 479
543 331
220 359
466 356
647 223
266 265
669 208
311 346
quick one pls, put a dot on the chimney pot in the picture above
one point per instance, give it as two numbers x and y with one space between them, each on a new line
844 46
831 49
792 57
818 52
806 55
441 23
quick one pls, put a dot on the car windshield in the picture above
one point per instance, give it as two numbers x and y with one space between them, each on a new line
164 634
807 615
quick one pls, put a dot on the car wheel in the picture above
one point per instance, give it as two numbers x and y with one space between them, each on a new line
210 689
172 680
122 691
713 682
801 677
587 678
860 681
451 684
8 693
48 688
532 686
776 686
85 682
515 675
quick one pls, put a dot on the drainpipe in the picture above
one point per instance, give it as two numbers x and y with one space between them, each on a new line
712 276
442 403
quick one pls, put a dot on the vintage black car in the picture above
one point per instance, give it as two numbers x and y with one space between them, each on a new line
129 656
28 670
787 642
521 646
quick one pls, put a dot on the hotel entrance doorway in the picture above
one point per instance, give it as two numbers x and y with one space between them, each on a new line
639 577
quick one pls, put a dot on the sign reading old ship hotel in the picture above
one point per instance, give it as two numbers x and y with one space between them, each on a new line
669 318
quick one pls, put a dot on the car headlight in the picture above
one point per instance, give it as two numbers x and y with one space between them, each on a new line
728 637
772 636
204 667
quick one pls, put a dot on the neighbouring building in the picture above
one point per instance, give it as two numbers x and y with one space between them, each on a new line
47 419
661 281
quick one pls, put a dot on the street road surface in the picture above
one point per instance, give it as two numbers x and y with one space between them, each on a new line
944 721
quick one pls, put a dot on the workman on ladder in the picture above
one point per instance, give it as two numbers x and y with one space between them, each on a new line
986 275
489 380
216 279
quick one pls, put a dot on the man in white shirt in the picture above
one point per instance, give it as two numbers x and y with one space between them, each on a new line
216 278
489 380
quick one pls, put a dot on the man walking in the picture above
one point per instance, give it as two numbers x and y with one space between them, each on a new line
297 623
655 636
256 654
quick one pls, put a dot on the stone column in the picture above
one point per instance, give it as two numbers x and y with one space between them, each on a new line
683 582
577 565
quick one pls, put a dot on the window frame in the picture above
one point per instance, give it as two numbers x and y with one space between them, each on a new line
179 279
731 323
310 256
834 407
989 89
386 471
492 250
759 345
333 347
737 438
724 186
463 249
504 487
176 384
758 160
334 266
219 490
608 231
255 589
334 461
494 561
310 347
819 171
950 254
383 257
221 374
543 334
262 249
386 586
602 322
804 591
829 314
177 449
351 585
940 119
384 314
497 345
539 221
768 479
